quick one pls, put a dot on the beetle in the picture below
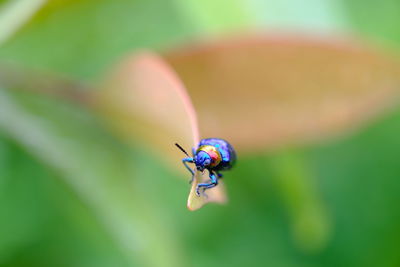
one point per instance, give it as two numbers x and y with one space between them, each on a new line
212 154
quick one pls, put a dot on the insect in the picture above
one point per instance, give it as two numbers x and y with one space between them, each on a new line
213 154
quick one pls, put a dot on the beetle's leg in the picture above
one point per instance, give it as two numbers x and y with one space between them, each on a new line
185 161
213 182
193 160
219 175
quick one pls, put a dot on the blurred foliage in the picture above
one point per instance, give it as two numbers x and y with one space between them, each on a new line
88 210
323 17
83 37
378 24
43 222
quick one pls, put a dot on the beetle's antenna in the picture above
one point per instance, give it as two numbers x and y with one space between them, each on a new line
183 150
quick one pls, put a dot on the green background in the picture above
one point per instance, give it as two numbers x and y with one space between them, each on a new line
123 207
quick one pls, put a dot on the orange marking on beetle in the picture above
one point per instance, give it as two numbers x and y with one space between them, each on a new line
216 157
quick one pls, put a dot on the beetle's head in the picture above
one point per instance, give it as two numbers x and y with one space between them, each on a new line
203 160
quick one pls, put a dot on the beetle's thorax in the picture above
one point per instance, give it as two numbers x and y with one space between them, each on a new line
214 154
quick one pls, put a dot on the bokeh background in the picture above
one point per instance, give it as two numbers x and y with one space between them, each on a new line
74 193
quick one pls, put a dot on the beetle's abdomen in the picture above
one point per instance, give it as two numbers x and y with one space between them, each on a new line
228 155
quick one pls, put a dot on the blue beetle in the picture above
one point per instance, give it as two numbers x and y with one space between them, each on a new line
213 154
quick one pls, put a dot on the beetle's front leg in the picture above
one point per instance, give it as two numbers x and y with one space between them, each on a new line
213 183
185 161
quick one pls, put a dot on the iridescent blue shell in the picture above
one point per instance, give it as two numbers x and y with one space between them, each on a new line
227 152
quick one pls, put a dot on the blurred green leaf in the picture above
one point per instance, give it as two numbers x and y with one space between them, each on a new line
358 177
297 185
377 21
314 16
20 202
43 223
13 14
217 17
83 37
102 172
